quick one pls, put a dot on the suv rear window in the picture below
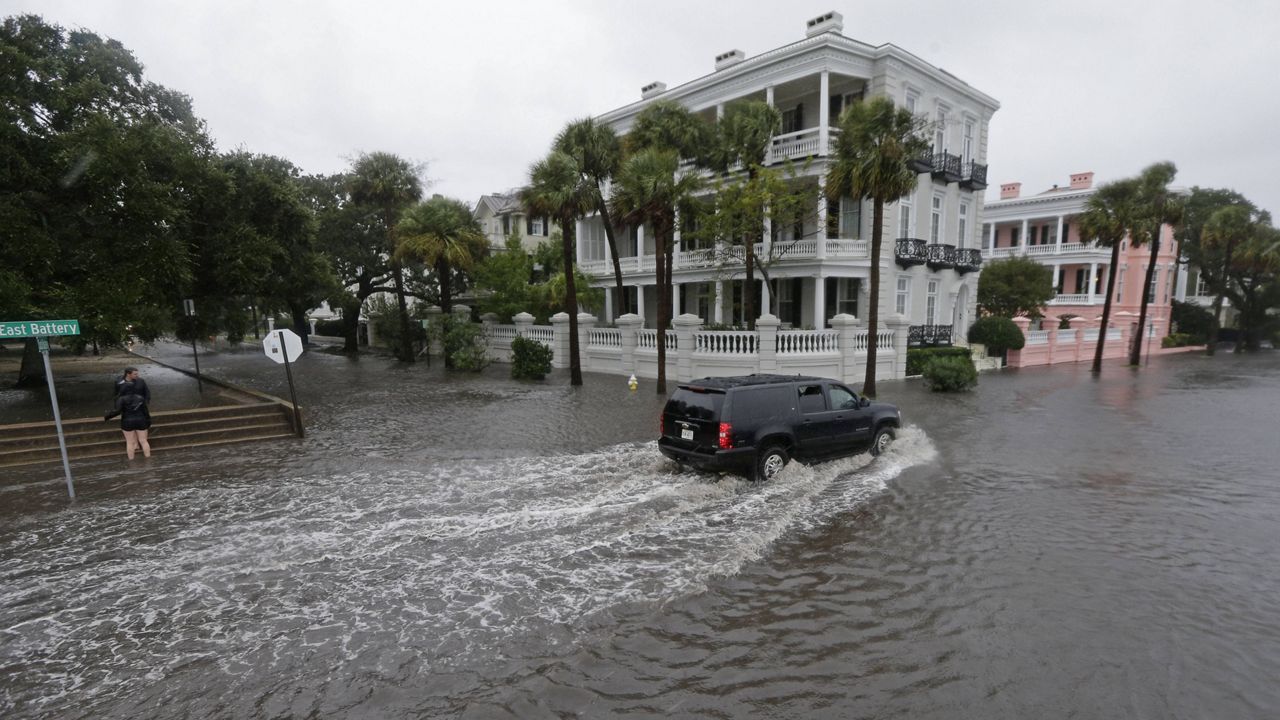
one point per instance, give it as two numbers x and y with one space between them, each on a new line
695 405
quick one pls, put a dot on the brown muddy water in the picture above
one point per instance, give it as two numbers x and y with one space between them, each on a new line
1050 545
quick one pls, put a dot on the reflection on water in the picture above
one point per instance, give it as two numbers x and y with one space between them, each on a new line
485 548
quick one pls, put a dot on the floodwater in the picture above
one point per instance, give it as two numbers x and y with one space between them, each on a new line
461 546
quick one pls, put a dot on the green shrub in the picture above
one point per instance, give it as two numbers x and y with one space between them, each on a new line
465 346
530 359
917 358
997 333
1192 320
950 374
330 328
1179 340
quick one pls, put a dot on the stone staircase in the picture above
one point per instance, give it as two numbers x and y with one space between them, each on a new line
37 443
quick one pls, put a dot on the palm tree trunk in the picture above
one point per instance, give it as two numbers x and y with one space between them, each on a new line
1106 307
1216 328
571 301
664 307
621 306
443 273
1135 352
873 309
405 351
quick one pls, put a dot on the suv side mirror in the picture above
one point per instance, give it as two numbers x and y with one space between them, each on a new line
866 402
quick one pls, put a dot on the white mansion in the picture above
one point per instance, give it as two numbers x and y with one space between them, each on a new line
820 268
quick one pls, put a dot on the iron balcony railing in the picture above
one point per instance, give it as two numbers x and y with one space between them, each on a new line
940 256
909 251
946 167
928 335
923 163
968 260
974 176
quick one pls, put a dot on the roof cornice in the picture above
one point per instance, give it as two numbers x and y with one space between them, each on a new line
834 41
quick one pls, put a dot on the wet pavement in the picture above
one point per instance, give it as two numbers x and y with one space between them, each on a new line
456 545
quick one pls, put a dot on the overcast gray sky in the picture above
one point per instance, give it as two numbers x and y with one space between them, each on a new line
478 90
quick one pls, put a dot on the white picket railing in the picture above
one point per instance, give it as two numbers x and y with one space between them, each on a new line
505 333
793 146
727 342
605 338
1066 336
1037 337
647 338
807 342
544 335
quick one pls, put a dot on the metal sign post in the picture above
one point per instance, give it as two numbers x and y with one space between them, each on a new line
189 308
284 346
42 330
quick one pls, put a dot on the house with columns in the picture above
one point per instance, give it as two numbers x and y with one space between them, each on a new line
1045 227
820 266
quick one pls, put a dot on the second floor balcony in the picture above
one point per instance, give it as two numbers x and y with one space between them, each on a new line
974 176
968 260
728 256
1050 249
909 251
946 167
940 256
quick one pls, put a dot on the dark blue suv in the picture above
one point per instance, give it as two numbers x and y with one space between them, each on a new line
755 424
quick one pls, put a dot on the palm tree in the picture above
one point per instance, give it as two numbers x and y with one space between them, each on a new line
1227 229
388 184
872 160
1161 207
442 233
560 189
599 152
745 132
1108 215
648 189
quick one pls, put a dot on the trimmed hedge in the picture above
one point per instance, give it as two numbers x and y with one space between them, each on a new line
918 358
1173 340
950 374
997 333
329 328
530 359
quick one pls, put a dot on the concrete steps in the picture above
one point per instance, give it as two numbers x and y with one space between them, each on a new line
37 443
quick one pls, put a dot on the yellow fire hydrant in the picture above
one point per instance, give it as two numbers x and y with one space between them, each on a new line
632 383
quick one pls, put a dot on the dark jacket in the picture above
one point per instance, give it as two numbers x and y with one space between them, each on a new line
131 404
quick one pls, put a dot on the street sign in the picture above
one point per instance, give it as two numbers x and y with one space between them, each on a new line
189 307
281 342
39 328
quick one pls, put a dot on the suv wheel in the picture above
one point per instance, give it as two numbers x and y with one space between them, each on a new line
883 439
770 462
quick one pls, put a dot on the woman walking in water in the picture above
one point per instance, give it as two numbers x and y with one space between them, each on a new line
132 397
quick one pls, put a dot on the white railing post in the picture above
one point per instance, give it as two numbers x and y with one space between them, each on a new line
523 321
1077 323
627 326
586 321
900 326
435 343
1050 325
767 350
846 326
560 340
685 326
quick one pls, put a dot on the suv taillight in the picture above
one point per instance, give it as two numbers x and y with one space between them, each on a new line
662 424
726 436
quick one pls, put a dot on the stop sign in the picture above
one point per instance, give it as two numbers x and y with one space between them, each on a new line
280 342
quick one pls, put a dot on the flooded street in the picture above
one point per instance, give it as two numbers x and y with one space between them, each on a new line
454 545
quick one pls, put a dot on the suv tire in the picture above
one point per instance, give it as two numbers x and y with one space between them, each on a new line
771 461
883 439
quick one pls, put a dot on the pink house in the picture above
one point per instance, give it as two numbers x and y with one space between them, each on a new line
1045 227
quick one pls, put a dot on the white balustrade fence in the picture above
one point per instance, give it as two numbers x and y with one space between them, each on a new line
731 342
648 339
605 338
807 342
1037 337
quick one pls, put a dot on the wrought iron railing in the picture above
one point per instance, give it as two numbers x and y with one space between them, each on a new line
975 176
968 260
940 256
928 335
923 162
946 167
909 251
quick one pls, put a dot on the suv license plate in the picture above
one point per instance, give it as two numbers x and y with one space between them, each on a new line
686 434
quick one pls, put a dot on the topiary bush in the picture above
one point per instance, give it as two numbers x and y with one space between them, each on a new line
997 333
917 358
530 359
1174 340
330 328
950 374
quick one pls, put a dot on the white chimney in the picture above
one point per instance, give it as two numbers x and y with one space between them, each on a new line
726 59
654 88
827 22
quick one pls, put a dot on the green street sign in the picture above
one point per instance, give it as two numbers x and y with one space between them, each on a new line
39 328
42 344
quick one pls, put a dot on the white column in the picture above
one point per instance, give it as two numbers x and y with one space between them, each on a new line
824 109
1022 238
1059 248
675 244
719 111
764 297
992 245
640 300
819 302
719 305
675 298
768 96
608 302
577 235
1093 281
1057 275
